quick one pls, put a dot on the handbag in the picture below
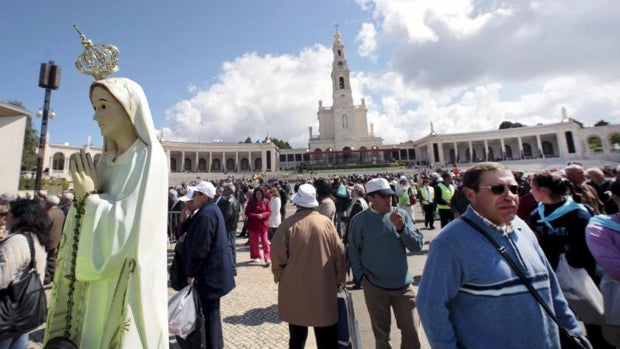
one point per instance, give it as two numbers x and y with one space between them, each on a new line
348 328
582 294
198 338
412 199
23 306
568 338
610 289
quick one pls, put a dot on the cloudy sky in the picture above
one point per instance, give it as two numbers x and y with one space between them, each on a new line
235 69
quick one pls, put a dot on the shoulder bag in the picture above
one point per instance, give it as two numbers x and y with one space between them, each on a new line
23 306
568 338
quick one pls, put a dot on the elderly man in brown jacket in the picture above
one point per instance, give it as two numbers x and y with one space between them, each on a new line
308 262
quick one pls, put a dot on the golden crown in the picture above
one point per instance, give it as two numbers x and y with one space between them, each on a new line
98 61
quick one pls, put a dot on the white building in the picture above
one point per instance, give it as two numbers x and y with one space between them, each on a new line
12 129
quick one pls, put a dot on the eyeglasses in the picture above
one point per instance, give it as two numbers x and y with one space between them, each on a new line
500 189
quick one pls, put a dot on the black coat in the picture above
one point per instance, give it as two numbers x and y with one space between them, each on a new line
208 258
230 210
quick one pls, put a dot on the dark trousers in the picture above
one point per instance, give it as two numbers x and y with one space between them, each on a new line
429 215
50 266
232 247
445 216
213 323
326 337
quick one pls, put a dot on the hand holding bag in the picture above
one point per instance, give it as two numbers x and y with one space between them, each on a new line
583 297
182 312
348 328
23 306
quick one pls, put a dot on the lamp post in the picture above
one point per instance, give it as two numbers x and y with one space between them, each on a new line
49 79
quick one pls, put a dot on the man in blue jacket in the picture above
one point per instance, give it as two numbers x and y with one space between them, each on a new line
379 239
469 297
209 266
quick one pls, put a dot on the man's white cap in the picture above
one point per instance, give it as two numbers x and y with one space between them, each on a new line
189 194
305 196
380 186
206 188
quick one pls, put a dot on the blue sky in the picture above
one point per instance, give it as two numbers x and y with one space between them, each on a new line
232 69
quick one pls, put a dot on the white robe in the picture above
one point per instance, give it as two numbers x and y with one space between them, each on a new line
120 298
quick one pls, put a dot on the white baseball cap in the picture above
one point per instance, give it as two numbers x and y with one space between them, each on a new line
206 188
379 186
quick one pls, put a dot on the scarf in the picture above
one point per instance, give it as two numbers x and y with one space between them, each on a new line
568 206
605 221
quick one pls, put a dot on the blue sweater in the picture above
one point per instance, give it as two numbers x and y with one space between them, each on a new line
378 252
469 297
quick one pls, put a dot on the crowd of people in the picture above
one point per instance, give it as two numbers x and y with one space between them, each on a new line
364 225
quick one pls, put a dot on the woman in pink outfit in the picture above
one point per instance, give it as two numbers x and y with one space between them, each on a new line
258 211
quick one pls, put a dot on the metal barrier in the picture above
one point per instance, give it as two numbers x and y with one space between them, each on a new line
173 222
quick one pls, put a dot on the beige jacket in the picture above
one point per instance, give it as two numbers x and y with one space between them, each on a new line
15 258
309 264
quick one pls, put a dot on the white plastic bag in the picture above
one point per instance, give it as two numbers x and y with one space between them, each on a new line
582 294
610 289
182 313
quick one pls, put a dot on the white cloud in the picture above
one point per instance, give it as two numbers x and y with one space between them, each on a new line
255 95
367 39
462 65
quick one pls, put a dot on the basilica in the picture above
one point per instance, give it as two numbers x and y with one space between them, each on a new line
344 139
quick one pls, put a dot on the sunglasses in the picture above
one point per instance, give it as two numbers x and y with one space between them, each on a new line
500 189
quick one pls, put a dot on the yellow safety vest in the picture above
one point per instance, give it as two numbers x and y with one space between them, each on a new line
424 194
446 194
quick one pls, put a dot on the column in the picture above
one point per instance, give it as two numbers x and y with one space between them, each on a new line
502 148
471 152
486 150
263 155
183 161
456 152
210 161
539 145
236 161
196 162
520 141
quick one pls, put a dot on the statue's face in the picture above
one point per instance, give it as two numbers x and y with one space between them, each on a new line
109 114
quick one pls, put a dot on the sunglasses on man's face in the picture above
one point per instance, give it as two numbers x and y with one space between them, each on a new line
500 189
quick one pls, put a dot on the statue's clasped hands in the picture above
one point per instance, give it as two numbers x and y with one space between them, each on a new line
84 174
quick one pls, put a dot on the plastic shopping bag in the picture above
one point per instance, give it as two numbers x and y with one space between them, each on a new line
582 294
182 312
348 328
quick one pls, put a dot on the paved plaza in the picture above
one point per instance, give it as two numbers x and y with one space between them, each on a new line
250 315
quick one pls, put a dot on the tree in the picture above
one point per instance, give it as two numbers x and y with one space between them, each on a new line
601 123
281 144
247 140
510 124
31 144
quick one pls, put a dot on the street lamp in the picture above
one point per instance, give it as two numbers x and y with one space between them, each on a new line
49 79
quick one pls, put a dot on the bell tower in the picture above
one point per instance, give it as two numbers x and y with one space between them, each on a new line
341 84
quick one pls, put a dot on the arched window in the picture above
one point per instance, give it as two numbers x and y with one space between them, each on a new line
547 148
216 165
340 64
58 162
345 121
595 144
341 80
614 142
173 165
258 164
187 164
245 165
202 165
230 165
527 149
508 151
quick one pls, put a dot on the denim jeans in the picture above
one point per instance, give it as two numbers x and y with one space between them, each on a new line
19 342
